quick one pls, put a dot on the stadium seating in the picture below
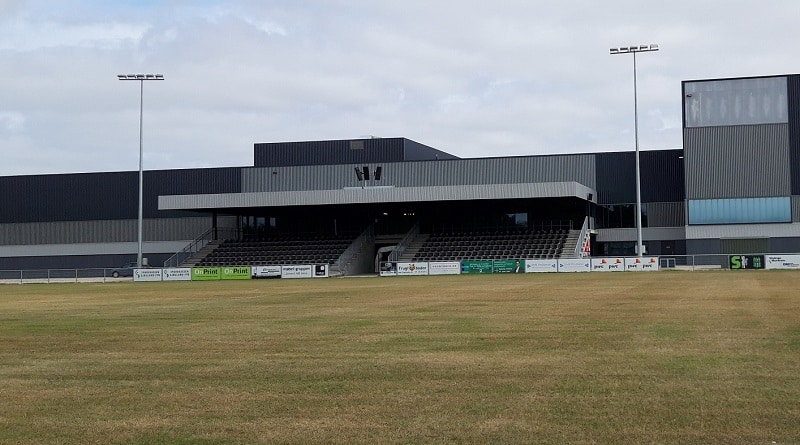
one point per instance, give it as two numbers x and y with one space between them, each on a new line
497 244
280 250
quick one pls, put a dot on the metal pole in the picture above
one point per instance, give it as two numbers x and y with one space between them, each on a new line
639 246
141 174
633 50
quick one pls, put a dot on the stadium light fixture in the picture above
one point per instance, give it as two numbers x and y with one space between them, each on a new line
633 49
141 78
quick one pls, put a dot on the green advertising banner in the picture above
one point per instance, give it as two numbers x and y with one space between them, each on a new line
509 266
236 273
205 273
481 266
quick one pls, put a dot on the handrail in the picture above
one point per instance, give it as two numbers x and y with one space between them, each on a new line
404 243
582 238
195 246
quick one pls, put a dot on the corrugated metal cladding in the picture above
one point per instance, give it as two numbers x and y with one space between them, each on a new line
666 214
794 131
795 208
737 162
356 195
284 154
577 168
102 196
102 231
744 245
661 173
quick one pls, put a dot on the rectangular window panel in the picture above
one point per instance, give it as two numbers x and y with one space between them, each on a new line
736 102
740 211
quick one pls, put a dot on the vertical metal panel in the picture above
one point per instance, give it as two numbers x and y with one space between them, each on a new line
285 154
666 214
101 231
741 161
661 174
579 168
104 196
744 245
794 131
795 208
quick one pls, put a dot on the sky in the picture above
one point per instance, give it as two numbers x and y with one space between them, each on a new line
472 78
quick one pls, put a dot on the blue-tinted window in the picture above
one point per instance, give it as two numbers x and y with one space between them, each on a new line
740 210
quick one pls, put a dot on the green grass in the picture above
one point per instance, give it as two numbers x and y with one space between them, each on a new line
704 357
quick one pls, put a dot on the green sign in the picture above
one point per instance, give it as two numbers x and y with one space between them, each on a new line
482 266
739 262
509 266
236 273
205 273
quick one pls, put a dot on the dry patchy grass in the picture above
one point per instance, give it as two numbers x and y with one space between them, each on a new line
707 357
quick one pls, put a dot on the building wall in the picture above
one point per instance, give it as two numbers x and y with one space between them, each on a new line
532 169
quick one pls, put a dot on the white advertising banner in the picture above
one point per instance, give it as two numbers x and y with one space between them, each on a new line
146 274
778 262
304 271
444 268
608 264
266 271
574 265
541 265
643 264
388 269
177 274
412 268
321 271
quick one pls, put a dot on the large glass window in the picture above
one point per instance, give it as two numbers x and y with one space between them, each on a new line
740 210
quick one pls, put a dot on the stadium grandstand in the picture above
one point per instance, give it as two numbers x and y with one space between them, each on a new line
350 204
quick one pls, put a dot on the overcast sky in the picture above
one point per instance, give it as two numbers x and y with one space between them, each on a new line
472 78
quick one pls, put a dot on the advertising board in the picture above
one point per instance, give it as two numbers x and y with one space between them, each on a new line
742 262
147 274
265 272
388 269
321 271
574 265
235 273
508 266
643 264
412 268
304 271
479 266
783 262
205 273
444 268
608 265
541 266
177 274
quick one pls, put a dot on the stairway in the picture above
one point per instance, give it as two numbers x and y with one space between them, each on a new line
200 254
573 238
413 248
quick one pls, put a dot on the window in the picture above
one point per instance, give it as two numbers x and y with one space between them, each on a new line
740 211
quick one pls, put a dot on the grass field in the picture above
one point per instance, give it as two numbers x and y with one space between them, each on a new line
671 357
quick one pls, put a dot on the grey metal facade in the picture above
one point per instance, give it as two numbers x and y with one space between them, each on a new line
285 154
104 196
101 231
727 102
737 162
529 169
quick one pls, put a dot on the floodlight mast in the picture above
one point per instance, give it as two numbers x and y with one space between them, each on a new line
633 49
141 78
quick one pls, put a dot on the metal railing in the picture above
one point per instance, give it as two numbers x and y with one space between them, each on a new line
198 244
403 245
